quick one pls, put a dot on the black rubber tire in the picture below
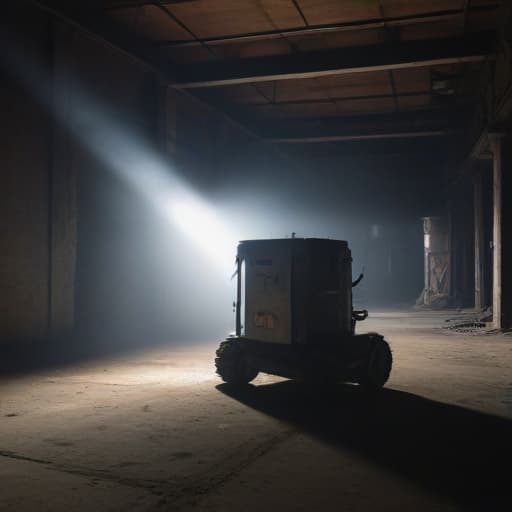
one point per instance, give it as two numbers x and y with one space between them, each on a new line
232 365
378 368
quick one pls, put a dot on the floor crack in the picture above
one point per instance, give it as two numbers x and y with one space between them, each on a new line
202 485
13 455
87 472
177 491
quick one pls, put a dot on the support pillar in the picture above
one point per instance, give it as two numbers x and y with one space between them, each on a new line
479 241
437 292
502 224
496 146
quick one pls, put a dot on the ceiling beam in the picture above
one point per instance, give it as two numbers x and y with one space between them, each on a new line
361 136
411 54
330 28
443 99
372 118
331 99
402 125
421 149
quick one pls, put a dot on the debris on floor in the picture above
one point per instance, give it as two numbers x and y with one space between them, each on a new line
475 323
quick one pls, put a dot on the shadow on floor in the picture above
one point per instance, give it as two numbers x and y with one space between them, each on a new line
452 451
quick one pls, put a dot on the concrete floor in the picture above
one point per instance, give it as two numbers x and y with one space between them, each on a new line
158 431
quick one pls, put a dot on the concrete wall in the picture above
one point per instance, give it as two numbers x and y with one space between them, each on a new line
24 199
38 185
61 205
38 181
24 218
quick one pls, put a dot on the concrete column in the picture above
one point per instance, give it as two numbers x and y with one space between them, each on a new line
496 146
437 262
479 241
506 234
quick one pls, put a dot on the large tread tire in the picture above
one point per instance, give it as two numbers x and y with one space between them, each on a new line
232 365
378 368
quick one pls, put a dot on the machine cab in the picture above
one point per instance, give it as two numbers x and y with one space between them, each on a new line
294 291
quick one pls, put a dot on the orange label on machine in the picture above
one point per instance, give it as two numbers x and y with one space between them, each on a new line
265 319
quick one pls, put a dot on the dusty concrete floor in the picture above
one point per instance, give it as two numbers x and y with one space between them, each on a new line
157 431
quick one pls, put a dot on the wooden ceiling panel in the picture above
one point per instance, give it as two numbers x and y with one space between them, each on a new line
282 13
411 80
339 39
212 18
395 8
150 21
253 49
412 102
245 94
325 109
318 12
358 84
308 110
366 106
343 86
266 90
186 55
453 27
296 90
204 53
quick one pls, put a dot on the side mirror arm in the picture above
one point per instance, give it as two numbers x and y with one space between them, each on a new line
358 280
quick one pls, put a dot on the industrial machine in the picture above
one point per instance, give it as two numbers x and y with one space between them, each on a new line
294 317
